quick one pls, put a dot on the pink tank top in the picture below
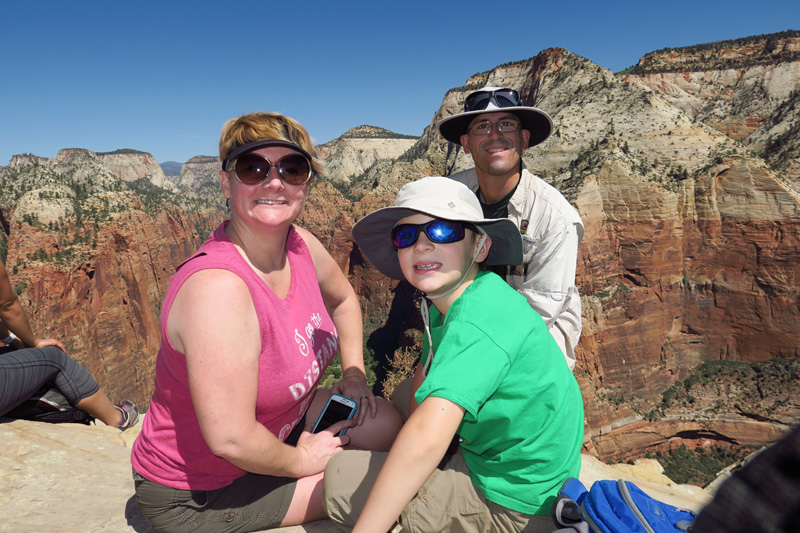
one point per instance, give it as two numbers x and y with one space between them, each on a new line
298 341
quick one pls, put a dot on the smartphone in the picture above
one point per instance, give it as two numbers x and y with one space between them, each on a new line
338 408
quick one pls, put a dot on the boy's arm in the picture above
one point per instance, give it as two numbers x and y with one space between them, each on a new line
416 382
414 456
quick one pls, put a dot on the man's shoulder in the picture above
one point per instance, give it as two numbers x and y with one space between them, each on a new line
468 177
531 182
534 188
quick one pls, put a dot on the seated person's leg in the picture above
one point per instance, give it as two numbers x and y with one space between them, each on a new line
376 434
349 477
250 503
25 371
401 397
447 501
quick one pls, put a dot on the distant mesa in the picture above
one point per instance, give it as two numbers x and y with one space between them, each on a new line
171 168
122 151
203 159
373 132
742 53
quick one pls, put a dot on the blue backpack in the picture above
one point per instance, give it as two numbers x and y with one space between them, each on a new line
615 507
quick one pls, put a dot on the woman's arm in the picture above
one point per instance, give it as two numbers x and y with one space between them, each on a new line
343 306
214 323
14 318
414 456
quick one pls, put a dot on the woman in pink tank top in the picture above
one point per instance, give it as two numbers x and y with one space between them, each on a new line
249 324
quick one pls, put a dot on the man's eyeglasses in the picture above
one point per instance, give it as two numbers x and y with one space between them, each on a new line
484 127
252 169
438 231
480 100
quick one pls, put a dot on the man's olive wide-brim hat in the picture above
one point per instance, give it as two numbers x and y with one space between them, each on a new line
437 197
533 119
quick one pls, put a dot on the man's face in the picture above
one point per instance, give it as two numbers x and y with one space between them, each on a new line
496 153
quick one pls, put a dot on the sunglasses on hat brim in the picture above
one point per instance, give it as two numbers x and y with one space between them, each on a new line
480 100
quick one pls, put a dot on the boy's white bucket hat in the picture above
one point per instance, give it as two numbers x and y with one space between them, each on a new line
438 197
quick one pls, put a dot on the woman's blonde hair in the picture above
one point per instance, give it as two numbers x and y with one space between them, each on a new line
259 126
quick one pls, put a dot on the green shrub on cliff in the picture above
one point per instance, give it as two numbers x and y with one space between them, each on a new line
759 388
701 465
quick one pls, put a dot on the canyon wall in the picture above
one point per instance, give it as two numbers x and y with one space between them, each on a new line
91 257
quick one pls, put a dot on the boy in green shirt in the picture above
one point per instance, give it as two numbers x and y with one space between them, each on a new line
487 375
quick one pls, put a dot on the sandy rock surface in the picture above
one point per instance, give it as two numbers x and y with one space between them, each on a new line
64 478
72 478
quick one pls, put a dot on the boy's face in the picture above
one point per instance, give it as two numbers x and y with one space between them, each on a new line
434 268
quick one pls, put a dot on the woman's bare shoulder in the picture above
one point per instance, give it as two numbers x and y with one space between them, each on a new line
212 286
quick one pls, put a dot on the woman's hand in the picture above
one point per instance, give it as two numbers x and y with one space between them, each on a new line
41 343
355 387
318 448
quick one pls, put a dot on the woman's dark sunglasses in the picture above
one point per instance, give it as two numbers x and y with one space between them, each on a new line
479 100
438 231
252 169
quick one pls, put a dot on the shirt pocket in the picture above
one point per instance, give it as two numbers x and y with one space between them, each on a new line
529 246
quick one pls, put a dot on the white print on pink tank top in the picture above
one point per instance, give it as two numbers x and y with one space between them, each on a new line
322 357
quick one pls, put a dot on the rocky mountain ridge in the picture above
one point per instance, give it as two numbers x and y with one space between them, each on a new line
690 253
357 150
722 55
131 165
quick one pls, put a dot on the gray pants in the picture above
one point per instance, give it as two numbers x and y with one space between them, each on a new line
23 372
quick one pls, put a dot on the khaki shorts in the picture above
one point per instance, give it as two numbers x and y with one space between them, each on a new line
448 501
251 503
401 397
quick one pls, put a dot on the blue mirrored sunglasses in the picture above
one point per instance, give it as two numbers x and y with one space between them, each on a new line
438 231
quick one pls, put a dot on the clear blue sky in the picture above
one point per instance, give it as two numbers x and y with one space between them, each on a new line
162 77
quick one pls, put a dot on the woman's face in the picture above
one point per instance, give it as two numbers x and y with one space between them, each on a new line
271 203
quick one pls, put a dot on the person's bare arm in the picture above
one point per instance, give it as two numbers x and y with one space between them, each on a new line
416 382
414 456
14 318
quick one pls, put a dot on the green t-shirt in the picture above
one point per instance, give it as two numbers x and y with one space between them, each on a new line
523 427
